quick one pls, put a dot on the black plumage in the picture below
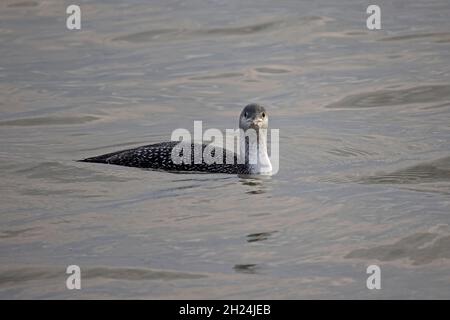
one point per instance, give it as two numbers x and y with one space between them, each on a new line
159 156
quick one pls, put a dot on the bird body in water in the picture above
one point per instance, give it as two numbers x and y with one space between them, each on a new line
253 158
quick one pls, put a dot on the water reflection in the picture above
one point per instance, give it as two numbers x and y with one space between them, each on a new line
257 184
434 171
439 37
260 236
419 248
383 98
173 34
19 275
246 268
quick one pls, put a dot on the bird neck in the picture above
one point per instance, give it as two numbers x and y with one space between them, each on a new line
254 149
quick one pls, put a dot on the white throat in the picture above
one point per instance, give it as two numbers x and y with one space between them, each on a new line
253 147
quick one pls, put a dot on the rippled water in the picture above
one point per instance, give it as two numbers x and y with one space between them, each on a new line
364 131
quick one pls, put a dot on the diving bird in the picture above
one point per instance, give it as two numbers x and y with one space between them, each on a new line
252 159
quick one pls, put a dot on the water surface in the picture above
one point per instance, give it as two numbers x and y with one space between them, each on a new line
364 131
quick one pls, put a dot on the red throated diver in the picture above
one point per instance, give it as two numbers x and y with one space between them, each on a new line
159 155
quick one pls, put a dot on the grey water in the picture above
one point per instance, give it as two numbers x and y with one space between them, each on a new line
364 120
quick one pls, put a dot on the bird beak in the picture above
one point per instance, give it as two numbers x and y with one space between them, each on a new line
256 123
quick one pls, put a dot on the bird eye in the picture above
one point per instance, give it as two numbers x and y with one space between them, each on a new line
263 114
246 114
